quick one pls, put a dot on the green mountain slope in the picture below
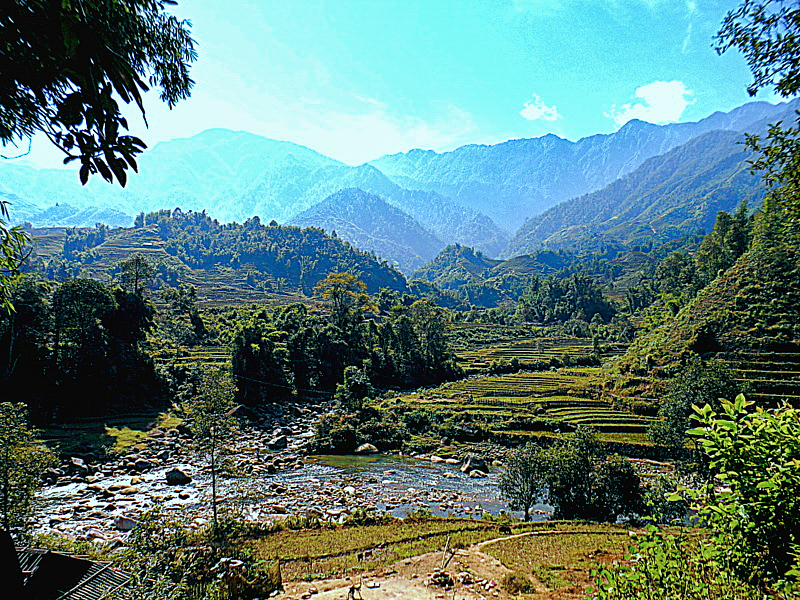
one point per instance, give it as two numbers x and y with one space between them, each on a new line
749 317
669 196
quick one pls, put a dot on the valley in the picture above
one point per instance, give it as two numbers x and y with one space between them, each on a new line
435 301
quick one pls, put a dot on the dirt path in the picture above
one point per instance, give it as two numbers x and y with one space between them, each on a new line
476 575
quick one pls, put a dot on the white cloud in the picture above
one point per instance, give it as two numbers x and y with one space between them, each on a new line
369 128
658 102
536 109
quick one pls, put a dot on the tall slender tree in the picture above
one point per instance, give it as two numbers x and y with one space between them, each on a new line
23 458
213 425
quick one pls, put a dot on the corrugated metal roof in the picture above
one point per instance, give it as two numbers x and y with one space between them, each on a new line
60 576
101 582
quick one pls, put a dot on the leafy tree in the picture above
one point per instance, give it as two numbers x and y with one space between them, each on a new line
556 300
257 362
136 273
757 457
12 244
576 478
22 460
729 239
767 32
524 481
429 323
748 546
347 297
213 425
24 332
356 388
65 65
79 349
97 356
182 322
697 383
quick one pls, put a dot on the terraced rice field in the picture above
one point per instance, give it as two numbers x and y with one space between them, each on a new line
211 356
511 401
772 376
533 350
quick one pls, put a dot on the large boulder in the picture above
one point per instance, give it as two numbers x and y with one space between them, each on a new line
77 466
142 464
178 477
124 523
472 462
278 443
366 449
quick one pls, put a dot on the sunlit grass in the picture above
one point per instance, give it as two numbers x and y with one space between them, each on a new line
562 559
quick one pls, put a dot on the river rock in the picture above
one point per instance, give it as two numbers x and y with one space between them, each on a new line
177 477
366 449
78 466
472 462
475 473
278 443
52 475
124 523
142 464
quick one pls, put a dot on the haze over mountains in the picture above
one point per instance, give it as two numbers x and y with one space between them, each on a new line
643 179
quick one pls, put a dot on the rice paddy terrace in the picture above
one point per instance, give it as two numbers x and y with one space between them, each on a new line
773 376
515 407
207 356
218 286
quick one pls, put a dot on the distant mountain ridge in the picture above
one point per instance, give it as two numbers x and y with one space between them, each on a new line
232 176
473 196
669 196
372 224
521 178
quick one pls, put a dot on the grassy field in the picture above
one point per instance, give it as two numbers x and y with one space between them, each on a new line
338 550
107 434
562 559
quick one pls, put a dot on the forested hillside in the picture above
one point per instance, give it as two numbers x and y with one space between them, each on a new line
668 197
193 248
737 300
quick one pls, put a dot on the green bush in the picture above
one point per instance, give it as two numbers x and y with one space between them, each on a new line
516 583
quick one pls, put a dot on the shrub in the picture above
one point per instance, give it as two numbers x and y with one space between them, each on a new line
516 583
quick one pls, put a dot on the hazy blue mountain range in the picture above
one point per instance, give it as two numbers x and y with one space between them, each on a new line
473 196
671 195
370 223
233 176
521 178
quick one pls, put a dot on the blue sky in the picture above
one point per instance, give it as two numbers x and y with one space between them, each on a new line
355 79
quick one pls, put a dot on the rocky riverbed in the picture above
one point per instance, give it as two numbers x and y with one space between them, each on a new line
273 477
